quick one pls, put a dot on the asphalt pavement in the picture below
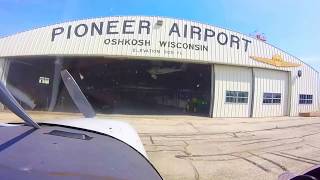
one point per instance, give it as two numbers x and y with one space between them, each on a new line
190 147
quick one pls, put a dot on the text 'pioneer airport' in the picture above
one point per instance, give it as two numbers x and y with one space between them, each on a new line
111 28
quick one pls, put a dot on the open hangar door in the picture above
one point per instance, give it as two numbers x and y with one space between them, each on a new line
29 79
141 86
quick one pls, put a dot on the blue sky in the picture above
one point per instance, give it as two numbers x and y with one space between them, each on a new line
291 25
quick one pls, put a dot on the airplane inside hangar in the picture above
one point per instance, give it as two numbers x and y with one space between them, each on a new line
113 86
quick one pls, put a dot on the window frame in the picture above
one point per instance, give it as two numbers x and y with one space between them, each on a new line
236 96
271 98
305 99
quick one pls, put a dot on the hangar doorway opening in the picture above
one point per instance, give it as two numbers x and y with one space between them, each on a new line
143 86
30 81
117 86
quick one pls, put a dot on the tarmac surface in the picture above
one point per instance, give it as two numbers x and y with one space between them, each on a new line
189 147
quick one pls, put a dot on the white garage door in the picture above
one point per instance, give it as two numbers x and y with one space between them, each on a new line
270 93
232 92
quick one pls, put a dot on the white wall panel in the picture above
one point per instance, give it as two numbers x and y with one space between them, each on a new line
308 83
270 81
231 78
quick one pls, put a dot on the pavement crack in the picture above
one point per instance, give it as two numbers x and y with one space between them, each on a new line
235 135
253 163
195 170
297 137
204 155
257 142
212 160
271 161
234 152
194 127
293 158
185 147
168 150
228 133
313 146
304 158
151 140
163 145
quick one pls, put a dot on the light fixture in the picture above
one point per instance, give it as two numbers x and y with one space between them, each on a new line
299 73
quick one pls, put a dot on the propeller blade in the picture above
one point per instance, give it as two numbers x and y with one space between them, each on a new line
8 100
77 96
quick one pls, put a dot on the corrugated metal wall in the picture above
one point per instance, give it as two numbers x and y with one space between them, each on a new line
38 42
270 81
231 78
308 83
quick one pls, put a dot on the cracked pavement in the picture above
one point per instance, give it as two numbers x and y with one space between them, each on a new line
185 147
188 147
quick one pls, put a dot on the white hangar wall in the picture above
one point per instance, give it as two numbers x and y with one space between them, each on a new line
39 42
186 41
308 83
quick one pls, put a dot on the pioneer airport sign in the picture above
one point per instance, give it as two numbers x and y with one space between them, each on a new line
183 33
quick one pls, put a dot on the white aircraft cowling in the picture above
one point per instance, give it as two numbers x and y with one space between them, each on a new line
120 130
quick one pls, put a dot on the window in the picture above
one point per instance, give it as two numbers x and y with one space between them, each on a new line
305 99
272 98
236 97
44 80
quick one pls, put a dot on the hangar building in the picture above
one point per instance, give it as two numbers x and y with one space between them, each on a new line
156 65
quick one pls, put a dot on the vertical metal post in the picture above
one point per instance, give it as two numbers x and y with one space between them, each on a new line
252 92
212 91
55 83
289 93
4 70
2 66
